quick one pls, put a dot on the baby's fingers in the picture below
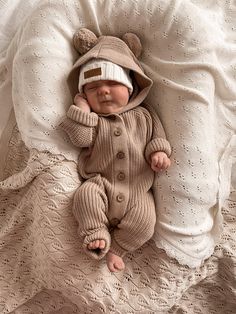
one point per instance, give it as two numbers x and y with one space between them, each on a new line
166 163
79 97
160 163
156 164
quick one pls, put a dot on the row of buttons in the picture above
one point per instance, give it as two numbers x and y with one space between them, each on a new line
121 176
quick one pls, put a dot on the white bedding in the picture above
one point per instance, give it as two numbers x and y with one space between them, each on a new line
189 51
12 15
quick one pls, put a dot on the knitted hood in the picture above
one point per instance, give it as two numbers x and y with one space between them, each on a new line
122 52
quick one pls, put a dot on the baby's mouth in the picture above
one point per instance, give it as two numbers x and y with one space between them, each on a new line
105 100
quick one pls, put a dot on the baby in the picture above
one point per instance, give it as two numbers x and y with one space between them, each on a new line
122 144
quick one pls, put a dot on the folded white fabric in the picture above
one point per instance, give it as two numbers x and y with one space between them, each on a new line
191 62
12 15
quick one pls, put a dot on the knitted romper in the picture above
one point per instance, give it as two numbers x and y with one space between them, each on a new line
115 202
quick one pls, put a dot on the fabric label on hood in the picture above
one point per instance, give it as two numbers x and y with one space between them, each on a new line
92 73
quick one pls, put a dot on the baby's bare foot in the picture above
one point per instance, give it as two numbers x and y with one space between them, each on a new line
97 244
114 262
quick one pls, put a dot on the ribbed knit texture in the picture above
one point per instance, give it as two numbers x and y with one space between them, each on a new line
82 137
117 173
90 209
136 227
80 116
116 166
108 71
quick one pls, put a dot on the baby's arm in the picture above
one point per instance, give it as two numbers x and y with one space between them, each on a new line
158 149
80 124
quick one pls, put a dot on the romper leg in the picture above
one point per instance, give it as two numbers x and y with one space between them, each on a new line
90 209
136 227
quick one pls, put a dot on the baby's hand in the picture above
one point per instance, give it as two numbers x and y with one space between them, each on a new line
81 102
159 161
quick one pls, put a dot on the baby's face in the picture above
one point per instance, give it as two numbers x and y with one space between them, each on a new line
106 96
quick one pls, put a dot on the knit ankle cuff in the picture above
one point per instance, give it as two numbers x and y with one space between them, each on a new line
101 234
117 249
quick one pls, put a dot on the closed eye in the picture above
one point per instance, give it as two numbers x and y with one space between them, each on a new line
90 88
111 83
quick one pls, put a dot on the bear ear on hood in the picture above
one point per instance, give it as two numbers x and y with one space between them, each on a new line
84 40
134 44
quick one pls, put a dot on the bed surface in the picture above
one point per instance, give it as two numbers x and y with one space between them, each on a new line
42 266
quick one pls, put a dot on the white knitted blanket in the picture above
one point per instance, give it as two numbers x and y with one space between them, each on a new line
189 51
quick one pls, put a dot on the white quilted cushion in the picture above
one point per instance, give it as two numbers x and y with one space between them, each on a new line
184 58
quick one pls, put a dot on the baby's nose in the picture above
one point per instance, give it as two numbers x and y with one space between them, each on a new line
103 90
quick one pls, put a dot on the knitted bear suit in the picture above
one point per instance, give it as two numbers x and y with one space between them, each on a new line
115 202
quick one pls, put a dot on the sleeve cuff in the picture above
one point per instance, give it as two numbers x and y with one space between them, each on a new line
82 117
157 145
100 234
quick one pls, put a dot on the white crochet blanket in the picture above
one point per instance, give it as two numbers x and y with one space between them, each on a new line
189 51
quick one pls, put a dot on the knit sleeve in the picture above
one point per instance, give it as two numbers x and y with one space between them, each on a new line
158 140
80 126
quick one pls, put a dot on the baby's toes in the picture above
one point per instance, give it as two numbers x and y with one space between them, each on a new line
119 265
102 244
93 245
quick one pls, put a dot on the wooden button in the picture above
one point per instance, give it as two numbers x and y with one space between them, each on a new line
120 198
120 155
117 132
121 176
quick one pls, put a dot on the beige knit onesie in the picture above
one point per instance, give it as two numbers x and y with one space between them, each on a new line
115 203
